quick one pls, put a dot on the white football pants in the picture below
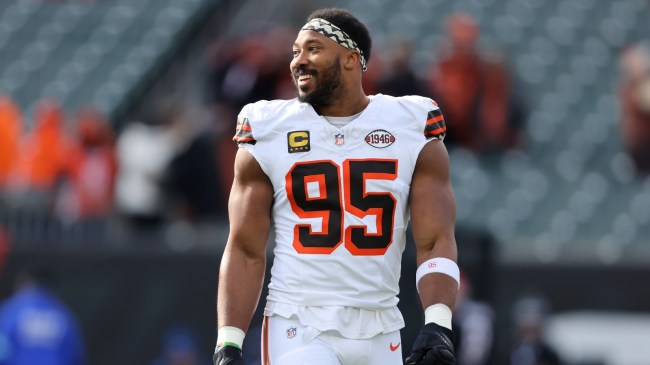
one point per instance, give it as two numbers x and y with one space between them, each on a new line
287 342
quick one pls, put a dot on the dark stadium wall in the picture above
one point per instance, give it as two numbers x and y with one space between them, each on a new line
126 300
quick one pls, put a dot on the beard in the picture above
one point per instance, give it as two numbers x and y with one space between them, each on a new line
328 86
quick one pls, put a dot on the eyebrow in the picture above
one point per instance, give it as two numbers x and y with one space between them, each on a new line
309 41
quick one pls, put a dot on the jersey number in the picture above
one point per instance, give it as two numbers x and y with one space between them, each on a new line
314 191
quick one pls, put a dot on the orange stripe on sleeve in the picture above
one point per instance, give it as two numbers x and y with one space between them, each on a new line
437 131
435 119
245 127
242 139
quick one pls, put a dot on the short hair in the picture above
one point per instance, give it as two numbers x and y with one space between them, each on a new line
349 24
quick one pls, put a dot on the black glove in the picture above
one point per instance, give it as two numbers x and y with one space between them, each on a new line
228 355
433 346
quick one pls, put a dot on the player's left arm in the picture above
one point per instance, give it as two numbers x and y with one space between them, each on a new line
433 216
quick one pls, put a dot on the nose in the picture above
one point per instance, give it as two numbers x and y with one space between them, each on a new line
298 60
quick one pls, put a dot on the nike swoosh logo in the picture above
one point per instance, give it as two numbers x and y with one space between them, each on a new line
394 348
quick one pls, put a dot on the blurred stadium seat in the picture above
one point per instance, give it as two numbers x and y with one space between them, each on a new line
70 50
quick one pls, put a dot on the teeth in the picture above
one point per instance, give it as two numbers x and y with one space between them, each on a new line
304 78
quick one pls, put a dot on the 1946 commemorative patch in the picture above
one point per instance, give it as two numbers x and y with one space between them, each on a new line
380 138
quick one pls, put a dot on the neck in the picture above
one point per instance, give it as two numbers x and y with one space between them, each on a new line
346 106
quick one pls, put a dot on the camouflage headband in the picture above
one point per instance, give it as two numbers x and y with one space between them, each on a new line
336 34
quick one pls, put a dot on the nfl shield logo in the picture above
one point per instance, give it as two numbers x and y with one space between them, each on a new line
291 332
339 139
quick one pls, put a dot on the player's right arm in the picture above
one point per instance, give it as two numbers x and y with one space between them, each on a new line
243 264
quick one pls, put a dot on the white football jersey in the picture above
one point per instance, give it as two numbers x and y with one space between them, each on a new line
340 207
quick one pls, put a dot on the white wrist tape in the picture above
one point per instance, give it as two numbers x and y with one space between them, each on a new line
439 314
230 336
439 264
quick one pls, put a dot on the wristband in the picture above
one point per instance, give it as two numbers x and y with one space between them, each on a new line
439 314
439 264
230 336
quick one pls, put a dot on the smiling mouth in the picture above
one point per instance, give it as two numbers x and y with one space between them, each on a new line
302 75
304 80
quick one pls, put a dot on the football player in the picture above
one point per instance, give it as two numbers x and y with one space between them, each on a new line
337 174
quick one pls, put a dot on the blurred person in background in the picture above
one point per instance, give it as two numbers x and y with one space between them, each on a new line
11 125
485 113
36 327
249 69
144 151
475 321
529 315
41 159
239 72
634 98
193 183
180 347
330 301
455 78
87 193
191 180
398 79
501 110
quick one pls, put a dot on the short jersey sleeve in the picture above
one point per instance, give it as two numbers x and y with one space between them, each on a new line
435 127
244 130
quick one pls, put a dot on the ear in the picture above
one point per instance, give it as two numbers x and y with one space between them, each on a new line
352 59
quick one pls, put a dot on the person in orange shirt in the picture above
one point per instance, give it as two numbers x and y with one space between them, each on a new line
89 169
10 130
484 111
455 79
41 157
